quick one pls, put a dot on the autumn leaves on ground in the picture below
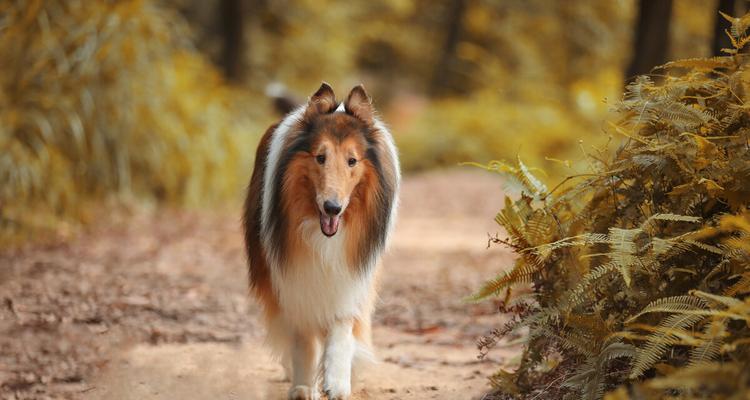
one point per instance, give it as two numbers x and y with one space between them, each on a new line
153 305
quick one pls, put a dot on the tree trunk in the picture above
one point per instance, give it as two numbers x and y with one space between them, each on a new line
233 44
652 37
441 75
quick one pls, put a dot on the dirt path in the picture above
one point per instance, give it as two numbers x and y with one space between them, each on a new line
153 306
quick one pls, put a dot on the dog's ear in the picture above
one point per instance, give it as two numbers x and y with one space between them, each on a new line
359 105
322 102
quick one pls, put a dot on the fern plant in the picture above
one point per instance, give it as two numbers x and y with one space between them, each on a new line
641 268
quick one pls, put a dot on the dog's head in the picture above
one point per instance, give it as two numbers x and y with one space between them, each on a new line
337 160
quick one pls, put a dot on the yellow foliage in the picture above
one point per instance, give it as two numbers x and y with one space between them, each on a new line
649 248
99 97
486 126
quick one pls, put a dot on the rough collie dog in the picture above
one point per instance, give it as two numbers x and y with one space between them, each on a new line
320 206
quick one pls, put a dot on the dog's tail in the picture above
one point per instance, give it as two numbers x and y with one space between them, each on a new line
282 99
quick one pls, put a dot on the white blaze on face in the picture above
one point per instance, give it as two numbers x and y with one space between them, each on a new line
336 178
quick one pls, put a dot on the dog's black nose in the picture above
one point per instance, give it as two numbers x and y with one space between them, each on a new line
331 208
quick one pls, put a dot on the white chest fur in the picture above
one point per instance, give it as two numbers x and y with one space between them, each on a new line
320 288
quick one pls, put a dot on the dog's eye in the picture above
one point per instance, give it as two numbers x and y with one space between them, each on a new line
352 162
321 159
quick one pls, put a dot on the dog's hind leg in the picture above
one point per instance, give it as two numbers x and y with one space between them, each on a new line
279 340
362 331
363 353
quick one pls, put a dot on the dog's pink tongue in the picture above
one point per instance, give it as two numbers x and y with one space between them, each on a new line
329 225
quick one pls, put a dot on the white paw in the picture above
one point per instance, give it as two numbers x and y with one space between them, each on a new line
303 393
337 388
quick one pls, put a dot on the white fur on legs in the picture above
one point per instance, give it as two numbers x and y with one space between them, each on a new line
337 361
304 363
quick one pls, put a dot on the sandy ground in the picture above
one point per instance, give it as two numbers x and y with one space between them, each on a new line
154 306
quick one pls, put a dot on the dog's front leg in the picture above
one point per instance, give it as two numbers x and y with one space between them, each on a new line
304 363
337 361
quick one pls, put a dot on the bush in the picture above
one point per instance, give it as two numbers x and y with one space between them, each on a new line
641 271
100 97
454 131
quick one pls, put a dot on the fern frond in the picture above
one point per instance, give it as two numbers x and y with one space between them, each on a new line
722 267
741 286
673 217
704 246
540 322
672 304
522 272
646 162
579 240
616 350
538 230
589 378
739 243
682 116
512 218
667 335
703 64
659 342
579 342
738 29
520 172
726 301
711 343
577 296
622 242
531 182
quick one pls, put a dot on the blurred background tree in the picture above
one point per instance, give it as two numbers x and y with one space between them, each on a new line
165 99
233 32
651 36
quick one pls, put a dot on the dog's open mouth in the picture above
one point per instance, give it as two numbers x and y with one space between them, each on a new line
328 224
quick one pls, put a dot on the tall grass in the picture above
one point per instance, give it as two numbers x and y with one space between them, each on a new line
101 97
